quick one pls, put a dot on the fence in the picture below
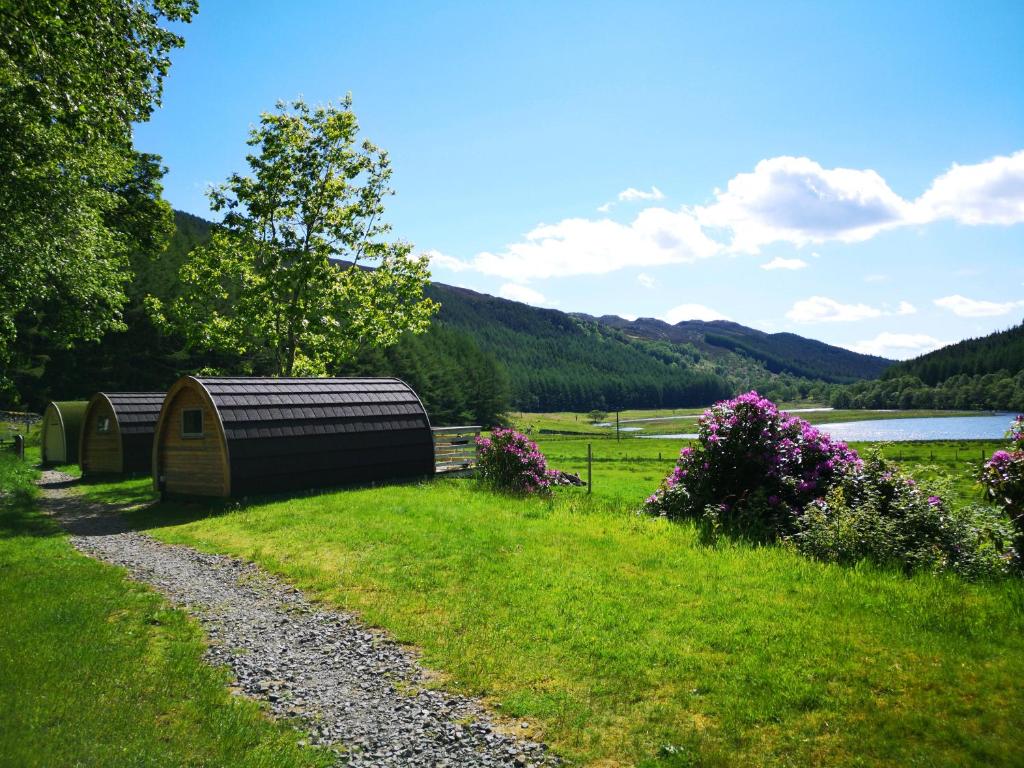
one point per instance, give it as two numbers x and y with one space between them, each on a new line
455 449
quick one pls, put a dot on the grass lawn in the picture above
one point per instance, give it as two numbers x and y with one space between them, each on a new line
628 641
98 671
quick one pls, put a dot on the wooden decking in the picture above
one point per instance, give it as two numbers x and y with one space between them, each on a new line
455 449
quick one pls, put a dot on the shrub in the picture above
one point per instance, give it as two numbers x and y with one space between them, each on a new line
1003 478
752 470
880 514
510 461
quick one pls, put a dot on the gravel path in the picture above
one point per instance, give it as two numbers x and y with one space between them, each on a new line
350 688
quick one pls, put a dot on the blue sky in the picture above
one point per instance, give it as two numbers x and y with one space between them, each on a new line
852 172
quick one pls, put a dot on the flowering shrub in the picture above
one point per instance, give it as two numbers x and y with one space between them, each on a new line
1003 477
510 461
753 469
879 513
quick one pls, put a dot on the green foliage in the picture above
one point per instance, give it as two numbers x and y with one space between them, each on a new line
76 198
789 353
265 285
458 382
1003 390
881 514
983 373
1000 351
559 362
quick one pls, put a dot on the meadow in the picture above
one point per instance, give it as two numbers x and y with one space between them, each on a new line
628 640
621 639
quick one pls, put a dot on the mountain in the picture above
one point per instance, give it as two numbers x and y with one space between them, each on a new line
780 352
562 361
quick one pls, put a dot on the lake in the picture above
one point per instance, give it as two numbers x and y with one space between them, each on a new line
987 427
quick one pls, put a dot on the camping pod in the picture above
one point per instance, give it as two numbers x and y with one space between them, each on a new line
237 436
117 433
62 425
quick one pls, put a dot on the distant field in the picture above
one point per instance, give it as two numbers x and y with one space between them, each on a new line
683 420
629 470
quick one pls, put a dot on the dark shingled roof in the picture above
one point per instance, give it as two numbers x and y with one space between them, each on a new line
136 412
300 433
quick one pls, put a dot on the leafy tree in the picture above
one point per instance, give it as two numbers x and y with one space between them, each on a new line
267 284
74 77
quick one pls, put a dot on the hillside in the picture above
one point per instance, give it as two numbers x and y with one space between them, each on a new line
1000 351
521 356
780 352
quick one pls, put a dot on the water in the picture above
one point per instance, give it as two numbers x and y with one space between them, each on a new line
987 427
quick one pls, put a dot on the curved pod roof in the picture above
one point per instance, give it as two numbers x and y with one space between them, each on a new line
125 443
259 435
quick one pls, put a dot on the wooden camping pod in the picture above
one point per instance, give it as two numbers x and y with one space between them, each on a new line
117 433
60 431
236 436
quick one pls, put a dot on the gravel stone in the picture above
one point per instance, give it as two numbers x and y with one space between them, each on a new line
349 688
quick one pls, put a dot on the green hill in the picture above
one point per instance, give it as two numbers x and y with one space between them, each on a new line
1000 351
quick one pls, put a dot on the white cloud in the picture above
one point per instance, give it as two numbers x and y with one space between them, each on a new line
516 292
897 345
444 261
780 263
646 280
691 312
605 208
876 278
964 307
991 192
821 309
588 247
796 200
906 308
631 194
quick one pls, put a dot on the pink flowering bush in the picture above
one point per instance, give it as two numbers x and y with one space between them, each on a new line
753 469
881 514
764 474
1003 477
510 461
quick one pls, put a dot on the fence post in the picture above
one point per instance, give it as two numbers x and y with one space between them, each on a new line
19 446
590 468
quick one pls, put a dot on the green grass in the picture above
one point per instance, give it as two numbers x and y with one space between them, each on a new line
626 471
628 641
98 670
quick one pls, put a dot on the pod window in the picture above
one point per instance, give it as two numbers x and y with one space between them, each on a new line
103 425
192 422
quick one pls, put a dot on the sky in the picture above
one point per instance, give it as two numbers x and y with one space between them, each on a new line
851 172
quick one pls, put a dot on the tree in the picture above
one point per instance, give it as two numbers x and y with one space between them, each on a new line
296 276
74 77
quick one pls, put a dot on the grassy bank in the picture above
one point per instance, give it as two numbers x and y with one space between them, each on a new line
97 670
627 641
